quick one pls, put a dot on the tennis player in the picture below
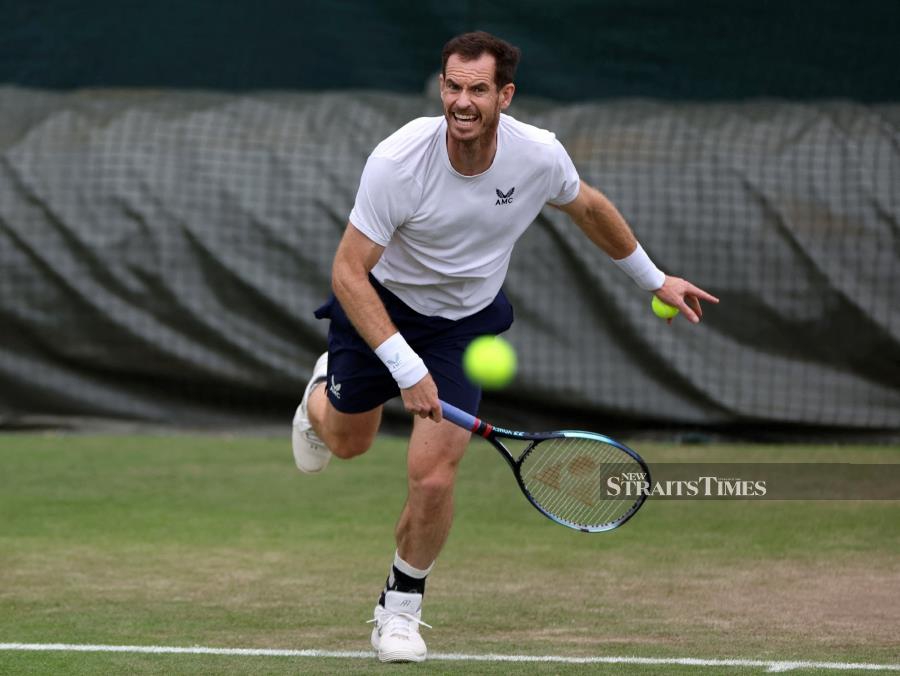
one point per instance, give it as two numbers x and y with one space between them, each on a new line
418 274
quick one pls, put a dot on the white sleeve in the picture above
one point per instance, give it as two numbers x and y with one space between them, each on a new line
386 199
564 182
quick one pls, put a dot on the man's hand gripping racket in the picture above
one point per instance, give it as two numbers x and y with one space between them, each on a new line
564 474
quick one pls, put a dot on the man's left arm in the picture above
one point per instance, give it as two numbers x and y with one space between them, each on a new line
599 219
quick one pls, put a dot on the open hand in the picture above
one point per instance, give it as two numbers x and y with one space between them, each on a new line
685 296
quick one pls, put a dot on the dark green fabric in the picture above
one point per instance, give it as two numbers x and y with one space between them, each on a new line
573 50
162 253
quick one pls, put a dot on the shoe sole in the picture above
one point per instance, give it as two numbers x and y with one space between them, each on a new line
396 655
297 440
400 656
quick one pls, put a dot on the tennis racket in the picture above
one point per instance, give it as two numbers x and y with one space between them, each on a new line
564 474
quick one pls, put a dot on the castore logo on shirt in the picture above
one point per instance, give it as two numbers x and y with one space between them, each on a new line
505 197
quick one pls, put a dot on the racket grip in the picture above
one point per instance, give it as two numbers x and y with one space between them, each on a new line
459 417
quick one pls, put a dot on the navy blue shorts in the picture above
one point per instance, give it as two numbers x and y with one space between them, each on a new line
358 381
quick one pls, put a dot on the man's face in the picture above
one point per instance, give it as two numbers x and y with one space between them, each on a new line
472 102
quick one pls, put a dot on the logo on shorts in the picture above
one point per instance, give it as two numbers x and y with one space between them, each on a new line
335 388
504 197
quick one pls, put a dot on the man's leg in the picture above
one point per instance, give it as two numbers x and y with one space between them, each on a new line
435 450
346 434
320 430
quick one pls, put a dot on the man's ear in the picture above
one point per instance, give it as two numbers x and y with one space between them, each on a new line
506 95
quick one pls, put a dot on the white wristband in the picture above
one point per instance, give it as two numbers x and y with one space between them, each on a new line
641 269
405 366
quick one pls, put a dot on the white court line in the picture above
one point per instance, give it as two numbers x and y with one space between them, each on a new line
769 665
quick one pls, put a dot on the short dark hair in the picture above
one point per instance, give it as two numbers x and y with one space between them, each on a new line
470 46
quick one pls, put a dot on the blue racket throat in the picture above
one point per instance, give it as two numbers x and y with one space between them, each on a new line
566 474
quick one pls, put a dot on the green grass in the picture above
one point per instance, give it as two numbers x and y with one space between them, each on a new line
183 541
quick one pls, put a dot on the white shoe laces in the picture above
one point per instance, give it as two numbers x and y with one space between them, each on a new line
398 623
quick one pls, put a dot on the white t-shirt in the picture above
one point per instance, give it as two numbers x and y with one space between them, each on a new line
448 237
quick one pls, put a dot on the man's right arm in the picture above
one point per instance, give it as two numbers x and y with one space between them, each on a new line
355 258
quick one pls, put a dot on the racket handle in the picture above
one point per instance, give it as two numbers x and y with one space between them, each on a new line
459 417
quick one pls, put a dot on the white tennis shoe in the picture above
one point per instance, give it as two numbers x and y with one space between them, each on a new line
395 635
310 454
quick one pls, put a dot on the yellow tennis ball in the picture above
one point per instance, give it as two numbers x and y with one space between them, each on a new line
490 361
663 310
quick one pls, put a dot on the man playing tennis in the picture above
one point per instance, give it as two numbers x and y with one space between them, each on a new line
418 274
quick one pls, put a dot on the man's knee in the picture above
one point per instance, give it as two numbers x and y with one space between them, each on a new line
434 456
433 483
348 435
349 447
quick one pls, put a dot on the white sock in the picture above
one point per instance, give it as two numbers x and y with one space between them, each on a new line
410 570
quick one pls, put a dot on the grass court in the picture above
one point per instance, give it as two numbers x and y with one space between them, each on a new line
219 542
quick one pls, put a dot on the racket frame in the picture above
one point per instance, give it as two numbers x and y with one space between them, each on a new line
493 434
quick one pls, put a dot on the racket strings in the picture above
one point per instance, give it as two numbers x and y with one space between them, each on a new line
567 477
